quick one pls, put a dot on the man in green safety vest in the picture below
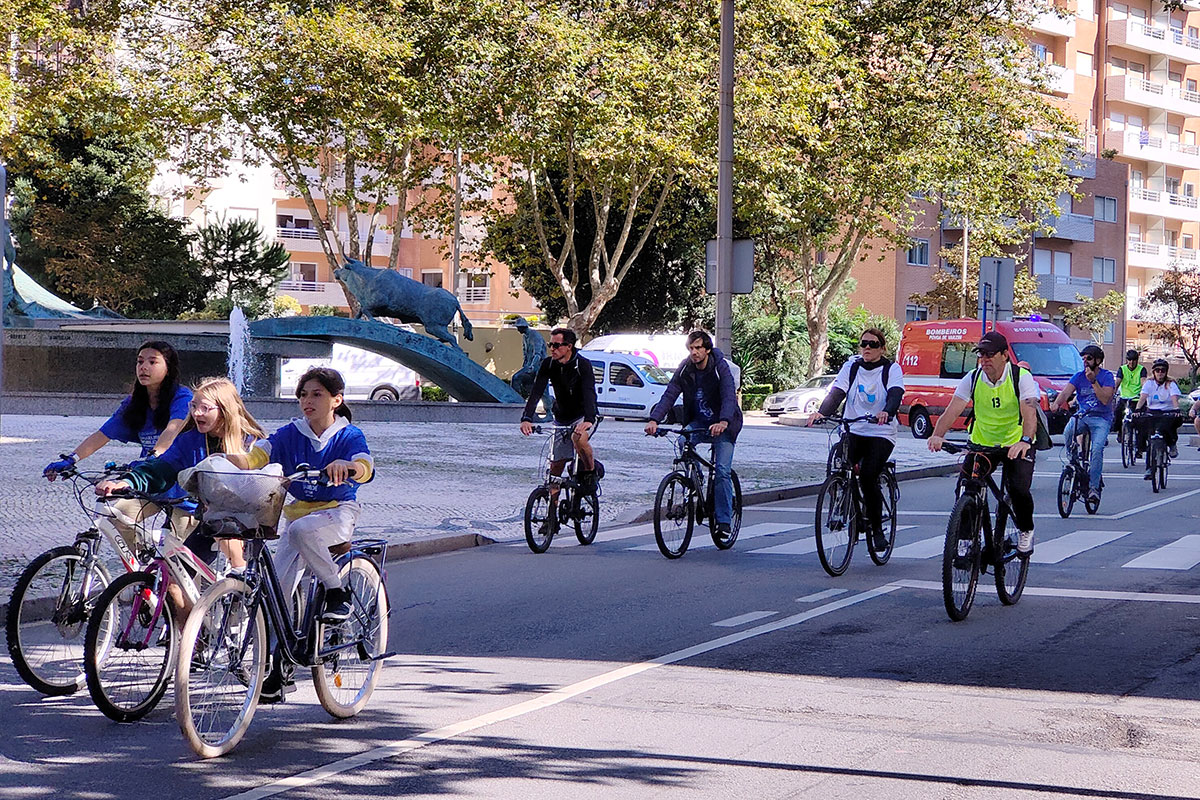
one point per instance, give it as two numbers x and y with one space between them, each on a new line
1130 377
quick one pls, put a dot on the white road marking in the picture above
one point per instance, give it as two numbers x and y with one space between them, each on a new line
1149 506
801 547
747 532
613 535
752 616
925 548
395 748
1182 554
1079 594
825 595
1052 551
1122 477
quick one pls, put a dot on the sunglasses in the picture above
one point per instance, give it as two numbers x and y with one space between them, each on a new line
870 344
556 345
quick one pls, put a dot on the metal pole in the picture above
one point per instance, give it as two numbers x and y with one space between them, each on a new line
456 280
4 240
962 301
725 185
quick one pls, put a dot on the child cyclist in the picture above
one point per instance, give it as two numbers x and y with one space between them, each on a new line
321 516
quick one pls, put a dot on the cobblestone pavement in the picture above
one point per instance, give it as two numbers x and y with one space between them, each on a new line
431 478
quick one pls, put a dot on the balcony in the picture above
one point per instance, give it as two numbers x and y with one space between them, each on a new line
475 294
307 240
1148 94
1154 39
1149 255
313 293
1074 227
1064 288
1164 204
1141 145
1062 80
1055 25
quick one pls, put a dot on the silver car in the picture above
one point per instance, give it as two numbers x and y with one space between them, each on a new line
805 398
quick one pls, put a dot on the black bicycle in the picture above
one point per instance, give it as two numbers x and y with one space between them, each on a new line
973 541
224 646
1158 455
678 506
577 505
1129 454
1074 482
840 505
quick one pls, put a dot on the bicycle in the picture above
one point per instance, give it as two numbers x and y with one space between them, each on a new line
1129 455
224 646
130 644
53 598
576 506
1074 481
973 542
677 504
1158 455
840 505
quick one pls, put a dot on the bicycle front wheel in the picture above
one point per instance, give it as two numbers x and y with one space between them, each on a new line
47 619
587 518
835 525
1128 454
1156 456
350 651
891 498
222 660
1010 568
1066 491
724 542
674 515
540 520
960 557
129 650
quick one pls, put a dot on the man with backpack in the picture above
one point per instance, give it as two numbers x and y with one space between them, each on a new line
1005 399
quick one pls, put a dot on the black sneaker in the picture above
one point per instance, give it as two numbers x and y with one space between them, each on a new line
724 529
1174 453
276 684
337 606
880 541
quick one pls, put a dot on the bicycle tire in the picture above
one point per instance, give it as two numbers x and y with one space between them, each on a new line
835 525
586 518
1157 451
735 522
345 680
891 498
674 514
45 637
234 646
960 580
1011 569
127 676
540 524
1128 453
1066 491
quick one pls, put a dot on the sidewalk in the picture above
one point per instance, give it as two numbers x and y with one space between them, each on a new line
433 479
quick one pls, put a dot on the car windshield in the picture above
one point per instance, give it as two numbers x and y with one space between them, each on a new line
1054 360
654 374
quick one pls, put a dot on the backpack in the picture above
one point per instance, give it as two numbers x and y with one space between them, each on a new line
887 367
1041 437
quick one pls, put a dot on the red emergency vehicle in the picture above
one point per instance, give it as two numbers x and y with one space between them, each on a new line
936 355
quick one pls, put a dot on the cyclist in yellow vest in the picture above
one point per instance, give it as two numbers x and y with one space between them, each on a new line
1130 377
1005 422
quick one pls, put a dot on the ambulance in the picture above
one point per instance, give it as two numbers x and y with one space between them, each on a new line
936 355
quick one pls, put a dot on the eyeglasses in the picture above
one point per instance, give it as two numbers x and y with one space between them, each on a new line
197 408
1160 369
870 344
556 345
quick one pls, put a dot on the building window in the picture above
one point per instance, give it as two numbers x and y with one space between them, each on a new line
477 287
1110 333
1104 270
914 313
1106 209
302 271
1042 262
405 271
433 279
1083 64
918 254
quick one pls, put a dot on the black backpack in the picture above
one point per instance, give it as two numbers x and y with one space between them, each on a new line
886 367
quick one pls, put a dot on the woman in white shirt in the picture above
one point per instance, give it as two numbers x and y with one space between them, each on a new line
1160 398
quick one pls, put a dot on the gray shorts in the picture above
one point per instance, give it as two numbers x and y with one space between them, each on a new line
563 448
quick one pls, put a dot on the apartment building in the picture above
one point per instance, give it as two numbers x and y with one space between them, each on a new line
1128 71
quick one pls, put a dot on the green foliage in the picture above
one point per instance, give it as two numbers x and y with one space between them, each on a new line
434 394
754 401
945 298
283 305
239 263
1170 313
215 308
327 311
1094 315
845 328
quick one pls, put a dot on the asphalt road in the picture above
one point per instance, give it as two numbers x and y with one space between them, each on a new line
610 672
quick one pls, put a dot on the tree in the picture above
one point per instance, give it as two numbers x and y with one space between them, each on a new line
1094 315
242 267
604 109
1170 314
850 110
946 295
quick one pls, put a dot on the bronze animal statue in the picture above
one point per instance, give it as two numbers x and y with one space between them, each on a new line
387 293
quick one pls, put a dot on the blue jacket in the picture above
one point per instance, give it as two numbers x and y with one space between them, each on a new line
716 380
295 444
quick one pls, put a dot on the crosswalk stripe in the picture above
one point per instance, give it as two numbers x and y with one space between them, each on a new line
925 548
747 532
1181 554
801 547
825 595
1053 551
616 534
742 619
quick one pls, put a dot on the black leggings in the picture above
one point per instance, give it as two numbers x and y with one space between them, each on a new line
1166 421
1019 474
871 453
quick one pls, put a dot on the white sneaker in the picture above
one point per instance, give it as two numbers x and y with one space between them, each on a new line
1024 542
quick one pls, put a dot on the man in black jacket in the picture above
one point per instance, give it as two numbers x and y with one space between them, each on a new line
710 409
574 406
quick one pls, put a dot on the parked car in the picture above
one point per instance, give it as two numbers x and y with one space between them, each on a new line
805 398
627 386
368 375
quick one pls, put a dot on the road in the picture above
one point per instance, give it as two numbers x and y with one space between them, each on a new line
610 672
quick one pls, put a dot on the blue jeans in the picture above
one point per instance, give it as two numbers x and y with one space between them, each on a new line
723 461
1099 428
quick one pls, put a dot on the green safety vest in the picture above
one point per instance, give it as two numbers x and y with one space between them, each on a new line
997 412
1131 382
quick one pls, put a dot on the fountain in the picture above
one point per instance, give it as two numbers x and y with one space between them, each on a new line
239 350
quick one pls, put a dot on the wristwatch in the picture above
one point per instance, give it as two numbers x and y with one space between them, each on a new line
1027 439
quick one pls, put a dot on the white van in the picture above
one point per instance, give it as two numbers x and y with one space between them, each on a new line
368 375
627 386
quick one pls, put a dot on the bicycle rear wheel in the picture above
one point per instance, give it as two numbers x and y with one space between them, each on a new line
222 660
540 520
891 498
674 514
1164 464
349 666
129 651
1158 451
835 525
724 542
1010 568
960 568
47 619
1066 491
1128 453
586 518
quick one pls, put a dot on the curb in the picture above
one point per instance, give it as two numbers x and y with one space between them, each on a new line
432 545
760 496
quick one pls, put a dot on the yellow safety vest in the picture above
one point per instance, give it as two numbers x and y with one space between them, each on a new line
997 412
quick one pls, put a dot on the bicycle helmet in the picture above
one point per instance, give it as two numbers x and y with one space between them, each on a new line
1094 351
1160 363
1132 355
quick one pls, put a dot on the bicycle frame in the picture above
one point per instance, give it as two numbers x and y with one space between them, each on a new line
171 566
981 485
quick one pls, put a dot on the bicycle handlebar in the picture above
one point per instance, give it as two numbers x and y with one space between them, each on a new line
848 420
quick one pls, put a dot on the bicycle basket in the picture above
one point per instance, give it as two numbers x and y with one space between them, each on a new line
236 503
